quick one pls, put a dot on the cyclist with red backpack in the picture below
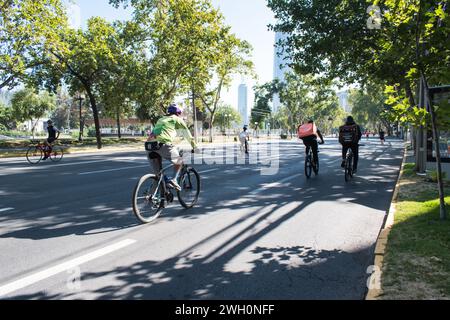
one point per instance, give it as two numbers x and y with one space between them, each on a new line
349 136
309 133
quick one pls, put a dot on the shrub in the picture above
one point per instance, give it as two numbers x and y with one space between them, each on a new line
433 176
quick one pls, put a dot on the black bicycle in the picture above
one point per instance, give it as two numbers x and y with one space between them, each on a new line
152 193
310 164
349 164
349 161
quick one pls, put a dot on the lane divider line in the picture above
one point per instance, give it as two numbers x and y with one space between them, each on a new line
111 170
6 209
42 275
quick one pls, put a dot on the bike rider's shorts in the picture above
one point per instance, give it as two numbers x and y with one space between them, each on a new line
51 140
167 152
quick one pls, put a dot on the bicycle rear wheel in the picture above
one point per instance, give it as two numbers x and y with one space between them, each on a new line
148 199
190 188
57 154
34 155
308 166
349 168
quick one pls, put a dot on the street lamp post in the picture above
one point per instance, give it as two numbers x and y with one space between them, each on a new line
80 99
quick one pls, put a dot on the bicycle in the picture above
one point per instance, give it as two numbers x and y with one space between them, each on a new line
152 193
36 153
349 159
310 164
349 164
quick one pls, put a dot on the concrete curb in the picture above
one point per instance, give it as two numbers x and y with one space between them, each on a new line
375 291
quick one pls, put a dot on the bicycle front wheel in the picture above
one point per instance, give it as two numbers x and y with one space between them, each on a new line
57 154
34 155
148 199
190 188
308 167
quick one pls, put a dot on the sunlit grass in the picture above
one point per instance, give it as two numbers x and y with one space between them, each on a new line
417 262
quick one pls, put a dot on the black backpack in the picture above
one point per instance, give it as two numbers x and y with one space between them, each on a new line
348 134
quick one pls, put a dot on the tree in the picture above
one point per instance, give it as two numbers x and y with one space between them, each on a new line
185 38
409 46
27 105
6 117
231 59
85 62
225 116
306 97
369 107
263 96
27 29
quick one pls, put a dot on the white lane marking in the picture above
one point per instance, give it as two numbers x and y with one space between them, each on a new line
111 170
42 275
6 209
29 168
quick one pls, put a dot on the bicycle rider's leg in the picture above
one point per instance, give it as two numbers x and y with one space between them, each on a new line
344 154
355 149
315 149
155 161
48 147
171 153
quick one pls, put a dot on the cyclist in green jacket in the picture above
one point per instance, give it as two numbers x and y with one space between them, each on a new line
163 137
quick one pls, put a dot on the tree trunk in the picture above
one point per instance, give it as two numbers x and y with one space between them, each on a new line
80 137
96 119
211 121
119 134
409 94
442 206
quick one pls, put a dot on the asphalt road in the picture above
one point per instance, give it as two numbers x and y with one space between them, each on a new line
67 230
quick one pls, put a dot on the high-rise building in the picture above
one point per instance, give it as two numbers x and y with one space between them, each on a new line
5 97
343 101
280 67
243 103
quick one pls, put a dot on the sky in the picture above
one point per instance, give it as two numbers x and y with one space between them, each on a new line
248 18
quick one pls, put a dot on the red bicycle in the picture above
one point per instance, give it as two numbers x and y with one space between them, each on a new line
36 153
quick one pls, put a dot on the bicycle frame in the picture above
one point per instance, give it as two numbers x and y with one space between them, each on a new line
162 181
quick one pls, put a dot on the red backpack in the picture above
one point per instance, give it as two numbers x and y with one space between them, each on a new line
307 130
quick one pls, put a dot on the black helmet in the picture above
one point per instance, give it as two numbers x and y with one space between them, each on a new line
50 122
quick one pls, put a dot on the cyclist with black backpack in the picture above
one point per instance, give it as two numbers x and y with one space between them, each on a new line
349 136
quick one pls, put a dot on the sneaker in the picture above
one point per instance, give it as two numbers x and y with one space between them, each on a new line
175 184
343 164
44 158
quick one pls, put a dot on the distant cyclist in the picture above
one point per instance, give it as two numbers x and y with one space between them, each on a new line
244 138
163 137
53 135
309 133
349 136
